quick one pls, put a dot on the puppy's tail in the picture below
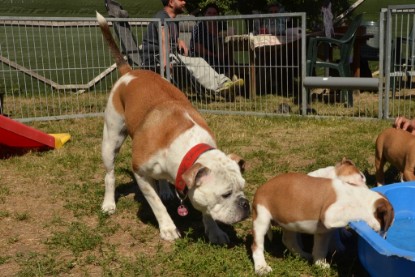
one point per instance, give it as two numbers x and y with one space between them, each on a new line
122 64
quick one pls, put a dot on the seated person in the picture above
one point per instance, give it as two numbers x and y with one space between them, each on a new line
152 56
206 37
274 25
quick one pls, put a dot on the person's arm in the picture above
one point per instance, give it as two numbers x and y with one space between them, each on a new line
406 124
163 47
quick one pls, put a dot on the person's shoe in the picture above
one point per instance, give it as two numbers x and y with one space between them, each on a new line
226 88
237 82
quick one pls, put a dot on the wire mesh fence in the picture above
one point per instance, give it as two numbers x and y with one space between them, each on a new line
54 68
399 27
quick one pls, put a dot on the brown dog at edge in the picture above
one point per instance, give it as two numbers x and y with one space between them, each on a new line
397 147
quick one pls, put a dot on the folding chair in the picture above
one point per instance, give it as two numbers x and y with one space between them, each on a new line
182 75
123 30
130 47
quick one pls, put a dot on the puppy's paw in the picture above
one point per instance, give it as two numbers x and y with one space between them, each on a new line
263 269
108 207
218 237
170 234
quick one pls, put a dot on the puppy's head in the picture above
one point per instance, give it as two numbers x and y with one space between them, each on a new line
347 171
384 213
216 187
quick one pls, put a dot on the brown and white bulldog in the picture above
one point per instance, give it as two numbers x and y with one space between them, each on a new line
170 141
344 170
397 147
299 203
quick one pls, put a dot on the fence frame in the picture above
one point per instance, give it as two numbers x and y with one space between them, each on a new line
381 84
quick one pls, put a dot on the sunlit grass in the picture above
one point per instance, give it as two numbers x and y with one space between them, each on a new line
56 196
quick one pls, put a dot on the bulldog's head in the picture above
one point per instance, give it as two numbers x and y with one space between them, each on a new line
216 185
384 213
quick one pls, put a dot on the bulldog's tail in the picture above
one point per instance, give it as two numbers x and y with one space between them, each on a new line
122 64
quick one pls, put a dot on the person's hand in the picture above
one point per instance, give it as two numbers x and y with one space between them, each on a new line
406 124
182 47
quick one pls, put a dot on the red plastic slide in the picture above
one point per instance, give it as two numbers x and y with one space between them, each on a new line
14 134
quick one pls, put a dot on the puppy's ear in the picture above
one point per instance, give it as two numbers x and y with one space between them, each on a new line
347 161
239 161
194 174
384 213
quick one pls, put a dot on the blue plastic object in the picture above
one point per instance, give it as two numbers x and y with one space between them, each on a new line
395 254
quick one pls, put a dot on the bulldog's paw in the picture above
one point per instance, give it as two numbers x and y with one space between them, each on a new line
165 190
170 234
263 269
217 236
322 263
108 207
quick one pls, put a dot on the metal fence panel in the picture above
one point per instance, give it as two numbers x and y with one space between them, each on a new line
52 68
399 60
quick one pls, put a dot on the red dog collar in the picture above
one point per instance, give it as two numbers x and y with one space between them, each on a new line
188 160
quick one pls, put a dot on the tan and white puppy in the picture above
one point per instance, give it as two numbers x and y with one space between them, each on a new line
397 147
299 203
344 170
170 141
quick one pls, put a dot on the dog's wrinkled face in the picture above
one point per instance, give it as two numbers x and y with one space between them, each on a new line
384 213
216 187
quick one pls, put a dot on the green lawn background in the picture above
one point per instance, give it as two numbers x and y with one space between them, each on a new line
136 8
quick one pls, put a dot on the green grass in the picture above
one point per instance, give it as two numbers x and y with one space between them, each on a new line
51 224
50 219
135 8
74 8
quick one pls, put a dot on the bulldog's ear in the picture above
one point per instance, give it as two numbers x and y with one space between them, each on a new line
384 213
194 174
239 161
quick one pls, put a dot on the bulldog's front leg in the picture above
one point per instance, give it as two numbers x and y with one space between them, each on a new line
213 232
168 230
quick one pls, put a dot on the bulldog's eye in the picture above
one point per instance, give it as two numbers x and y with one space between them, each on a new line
363 176
227 195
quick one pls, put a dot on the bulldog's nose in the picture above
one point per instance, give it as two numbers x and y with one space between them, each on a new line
244 203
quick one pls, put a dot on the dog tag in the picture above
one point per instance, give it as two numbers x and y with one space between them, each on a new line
182 210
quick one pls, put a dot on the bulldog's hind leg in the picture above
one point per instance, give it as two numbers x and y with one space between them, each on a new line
290 240
215 234
168 230
113 137
379 166
408 174
320 249
165 190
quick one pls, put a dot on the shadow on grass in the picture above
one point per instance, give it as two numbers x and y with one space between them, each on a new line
7 152
392 175
190 225
344 260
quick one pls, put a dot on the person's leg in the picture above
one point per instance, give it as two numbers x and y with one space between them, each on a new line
206 75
